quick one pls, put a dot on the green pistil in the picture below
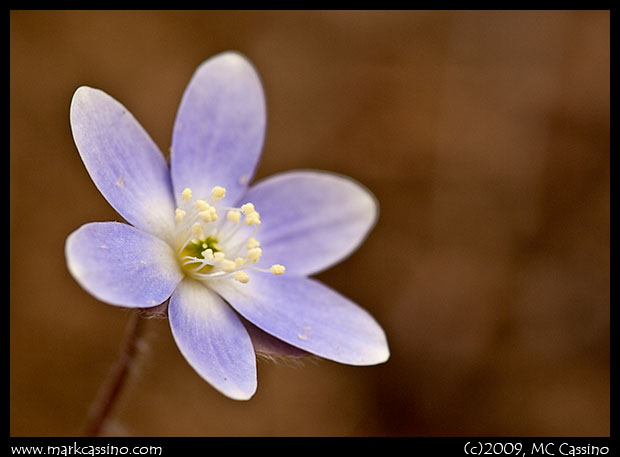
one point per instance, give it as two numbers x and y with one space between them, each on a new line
195 248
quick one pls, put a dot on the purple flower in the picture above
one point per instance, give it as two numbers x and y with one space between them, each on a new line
198 235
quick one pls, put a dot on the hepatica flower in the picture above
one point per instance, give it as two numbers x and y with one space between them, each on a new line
222 252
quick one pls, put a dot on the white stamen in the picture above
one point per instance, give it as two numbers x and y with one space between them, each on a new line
211 258
197 232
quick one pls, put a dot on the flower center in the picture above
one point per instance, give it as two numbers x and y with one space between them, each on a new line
214 247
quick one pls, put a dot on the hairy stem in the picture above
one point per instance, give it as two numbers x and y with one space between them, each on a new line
117 379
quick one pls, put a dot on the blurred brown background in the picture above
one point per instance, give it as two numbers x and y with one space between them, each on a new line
484 135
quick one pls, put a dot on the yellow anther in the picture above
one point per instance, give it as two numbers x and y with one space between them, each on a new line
277 269
218 257
218 193
253 218
234 216
197 230
207 254
240 261
247 208
208 215
179 214
186 195
252 243
201 205
242 277
254 254
228 266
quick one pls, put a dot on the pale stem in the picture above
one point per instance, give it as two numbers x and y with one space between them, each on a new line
117 378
